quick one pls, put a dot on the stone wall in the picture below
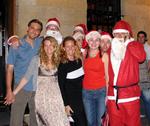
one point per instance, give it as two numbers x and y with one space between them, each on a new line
69 13
137 13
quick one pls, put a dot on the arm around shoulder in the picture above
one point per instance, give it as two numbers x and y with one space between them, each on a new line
28 74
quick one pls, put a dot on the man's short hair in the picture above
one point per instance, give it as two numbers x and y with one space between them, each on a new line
36 21
142 32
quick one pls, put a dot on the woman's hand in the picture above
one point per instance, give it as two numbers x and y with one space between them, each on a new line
10 98
68 110
14 41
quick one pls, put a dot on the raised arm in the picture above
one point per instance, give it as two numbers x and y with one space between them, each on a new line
137 50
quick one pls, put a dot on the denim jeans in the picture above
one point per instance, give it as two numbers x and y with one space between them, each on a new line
145 96
94 104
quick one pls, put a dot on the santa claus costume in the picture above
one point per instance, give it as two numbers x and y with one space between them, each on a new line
124 91
53 29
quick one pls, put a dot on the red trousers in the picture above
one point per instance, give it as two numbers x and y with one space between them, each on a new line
127 115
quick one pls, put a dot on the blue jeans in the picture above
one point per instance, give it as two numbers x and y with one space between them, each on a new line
94 105
145 96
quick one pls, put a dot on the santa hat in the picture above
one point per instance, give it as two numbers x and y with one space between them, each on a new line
122 26
53 21
92 34
105 35
81 27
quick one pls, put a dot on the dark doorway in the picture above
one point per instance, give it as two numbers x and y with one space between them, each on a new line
6 29
102 14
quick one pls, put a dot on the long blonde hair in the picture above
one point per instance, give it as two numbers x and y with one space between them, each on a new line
55 59
63 55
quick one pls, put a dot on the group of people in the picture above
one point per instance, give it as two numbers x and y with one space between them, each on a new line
74 80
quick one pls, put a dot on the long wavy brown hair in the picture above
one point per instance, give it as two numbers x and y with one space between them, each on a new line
55 59
63 54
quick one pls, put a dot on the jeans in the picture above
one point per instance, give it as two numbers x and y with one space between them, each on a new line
145 96
94 104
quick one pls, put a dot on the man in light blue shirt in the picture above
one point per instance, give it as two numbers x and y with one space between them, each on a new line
20 59
17 62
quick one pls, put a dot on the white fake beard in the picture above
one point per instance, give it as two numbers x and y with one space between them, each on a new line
118 48
56 34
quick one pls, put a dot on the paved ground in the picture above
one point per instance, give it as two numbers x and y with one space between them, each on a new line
5 116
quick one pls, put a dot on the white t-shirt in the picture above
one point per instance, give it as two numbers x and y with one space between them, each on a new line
147 50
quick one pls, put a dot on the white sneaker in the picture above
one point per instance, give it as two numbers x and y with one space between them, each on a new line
142 116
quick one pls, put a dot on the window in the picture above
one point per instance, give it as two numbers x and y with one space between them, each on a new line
103 14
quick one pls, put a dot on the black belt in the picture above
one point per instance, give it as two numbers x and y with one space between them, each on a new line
117 88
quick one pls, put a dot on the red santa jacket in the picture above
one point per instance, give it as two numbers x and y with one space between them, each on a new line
129 71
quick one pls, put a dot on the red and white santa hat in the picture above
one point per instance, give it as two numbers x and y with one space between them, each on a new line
53 21
105 35
92 34
81 27
122 26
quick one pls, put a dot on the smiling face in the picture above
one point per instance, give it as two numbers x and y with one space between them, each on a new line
105 44
33 30
69 48
94 43
49 47
141 38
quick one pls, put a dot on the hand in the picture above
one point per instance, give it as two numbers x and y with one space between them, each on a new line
68 110
14 42
10 98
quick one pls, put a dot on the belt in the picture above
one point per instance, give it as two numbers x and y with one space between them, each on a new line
119 87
